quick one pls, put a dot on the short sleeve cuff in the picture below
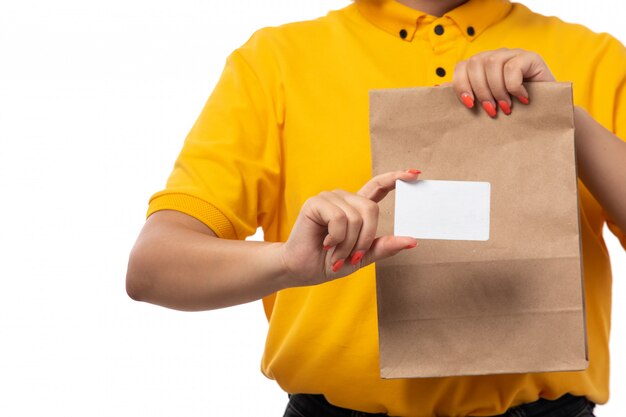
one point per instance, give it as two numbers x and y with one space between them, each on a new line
195 207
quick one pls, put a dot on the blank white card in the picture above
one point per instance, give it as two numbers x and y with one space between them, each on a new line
451 210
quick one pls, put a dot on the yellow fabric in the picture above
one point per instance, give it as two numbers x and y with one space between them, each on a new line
289 118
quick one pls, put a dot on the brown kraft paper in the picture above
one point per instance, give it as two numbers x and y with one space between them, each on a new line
513 303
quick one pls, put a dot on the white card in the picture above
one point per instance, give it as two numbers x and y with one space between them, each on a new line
451 210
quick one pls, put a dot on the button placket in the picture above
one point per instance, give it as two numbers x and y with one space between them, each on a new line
441 35
438 33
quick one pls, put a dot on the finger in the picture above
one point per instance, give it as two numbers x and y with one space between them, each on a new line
354 223
533 67
462 86
494 72
526 66
369 213
480 87
325 214
513 72
386 246
379 186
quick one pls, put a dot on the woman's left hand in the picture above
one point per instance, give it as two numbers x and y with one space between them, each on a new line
492 77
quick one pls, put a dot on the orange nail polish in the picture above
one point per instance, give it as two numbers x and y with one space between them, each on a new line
506 108
326 247
490 109
414 171
523 100
467 100
337 265
356 257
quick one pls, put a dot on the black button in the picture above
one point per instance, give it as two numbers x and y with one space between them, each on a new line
439 30
470 31
403 34
440 72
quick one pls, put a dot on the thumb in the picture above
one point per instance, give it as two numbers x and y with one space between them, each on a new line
386 246
378 187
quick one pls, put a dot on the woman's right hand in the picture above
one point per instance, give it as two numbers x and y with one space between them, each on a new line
335 232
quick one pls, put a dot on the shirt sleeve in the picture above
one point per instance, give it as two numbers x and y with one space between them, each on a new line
227 174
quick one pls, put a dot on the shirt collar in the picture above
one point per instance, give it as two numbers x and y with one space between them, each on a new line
472 17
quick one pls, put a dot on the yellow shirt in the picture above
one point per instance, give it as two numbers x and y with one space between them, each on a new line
289 118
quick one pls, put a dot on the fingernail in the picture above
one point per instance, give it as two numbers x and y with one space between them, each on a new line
467 100
411 246
414 171
506 108
356 257
326 247
337 265
523 100
490 109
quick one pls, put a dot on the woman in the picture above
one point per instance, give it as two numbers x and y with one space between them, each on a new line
288 121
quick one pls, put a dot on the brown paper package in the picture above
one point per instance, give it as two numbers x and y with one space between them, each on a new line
513 303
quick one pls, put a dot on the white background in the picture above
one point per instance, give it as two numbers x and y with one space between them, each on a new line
95 101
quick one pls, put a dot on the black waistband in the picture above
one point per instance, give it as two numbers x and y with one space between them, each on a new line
567 405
